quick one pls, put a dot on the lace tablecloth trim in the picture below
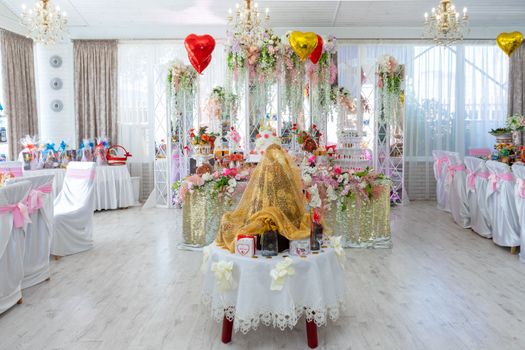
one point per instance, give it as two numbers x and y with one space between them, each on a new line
318 314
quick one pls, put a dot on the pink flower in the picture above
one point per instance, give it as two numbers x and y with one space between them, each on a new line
195 180
230 172
216 175
266 136
311 159
338 170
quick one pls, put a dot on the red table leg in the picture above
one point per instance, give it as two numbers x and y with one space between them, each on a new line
227 329
311 334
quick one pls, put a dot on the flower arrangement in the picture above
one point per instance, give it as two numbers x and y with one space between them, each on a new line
4 177
331 185
222 184
500 131
516 122
182 77
309 141
202 141
341 97
389 77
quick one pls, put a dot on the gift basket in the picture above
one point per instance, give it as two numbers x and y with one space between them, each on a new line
117 155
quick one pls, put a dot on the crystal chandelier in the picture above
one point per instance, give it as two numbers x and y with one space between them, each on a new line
445 25
46 25
247 20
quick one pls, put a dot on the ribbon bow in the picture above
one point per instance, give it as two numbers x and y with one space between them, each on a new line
439 163
452 170
471 180
493 178
35 198
20 214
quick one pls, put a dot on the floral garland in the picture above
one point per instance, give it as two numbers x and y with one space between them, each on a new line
331 185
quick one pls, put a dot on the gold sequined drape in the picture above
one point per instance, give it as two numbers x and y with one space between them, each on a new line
273 200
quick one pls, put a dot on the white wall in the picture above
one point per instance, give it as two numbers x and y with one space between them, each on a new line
55 126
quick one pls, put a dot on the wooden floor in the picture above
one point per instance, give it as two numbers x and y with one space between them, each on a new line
440 287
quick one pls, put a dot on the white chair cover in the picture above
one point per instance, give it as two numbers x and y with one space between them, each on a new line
16 168
39 231
477 179
440 173
456 182
73 231
11 247
503 214
519 174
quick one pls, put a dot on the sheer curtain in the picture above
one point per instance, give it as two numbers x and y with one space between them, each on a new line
453 97
143 119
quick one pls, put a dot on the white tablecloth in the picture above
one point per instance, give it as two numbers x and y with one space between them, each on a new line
113 186
316 290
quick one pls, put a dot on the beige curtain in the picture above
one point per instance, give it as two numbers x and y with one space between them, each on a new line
18 72
517 81
96 75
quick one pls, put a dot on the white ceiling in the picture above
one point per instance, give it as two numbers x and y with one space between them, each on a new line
139 19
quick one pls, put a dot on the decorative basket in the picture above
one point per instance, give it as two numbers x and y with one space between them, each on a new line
204 150
117 155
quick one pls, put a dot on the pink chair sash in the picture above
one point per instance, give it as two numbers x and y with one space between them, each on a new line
17 171
521 187
20 214
452 171
495 178
439 163
471 177
82 174
35 199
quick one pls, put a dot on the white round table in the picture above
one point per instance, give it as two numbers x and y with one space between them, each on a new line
239 290
113 186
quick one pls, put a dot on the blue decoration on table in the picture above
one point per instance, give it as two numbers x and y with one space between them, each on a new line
63 146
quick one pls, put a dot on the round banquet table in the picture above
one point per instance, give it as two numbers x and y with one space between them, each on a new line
316 289
113 186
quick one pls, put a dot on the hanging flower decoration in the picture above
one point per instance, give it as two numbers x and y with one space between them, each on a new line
389 76
182 77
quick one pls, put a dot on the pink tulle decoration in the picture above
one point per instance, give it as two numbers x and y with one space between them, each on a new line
333 73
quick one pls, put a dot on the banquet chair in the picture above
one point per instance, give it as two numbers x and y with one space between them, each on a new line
477 179
456 184
479 152
15 168
39 231
503 214
440 173
73 220
519 173
13 220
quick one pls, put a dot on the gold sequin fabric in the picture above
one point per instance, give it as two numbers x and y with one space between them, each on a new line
273 199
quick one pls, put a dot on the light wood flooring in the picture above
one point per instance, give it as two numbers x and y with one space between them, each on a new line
440 287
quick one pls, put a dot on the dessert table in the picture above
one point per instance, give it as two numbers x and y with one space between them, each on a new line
113 185
244 292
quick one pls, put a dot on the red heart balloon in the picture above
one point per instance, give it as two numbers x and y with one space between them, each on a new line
199 67
200 48
316 54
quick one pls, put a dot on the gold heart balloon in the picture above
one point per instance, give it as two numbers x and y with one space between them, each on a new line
303 44
509 42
